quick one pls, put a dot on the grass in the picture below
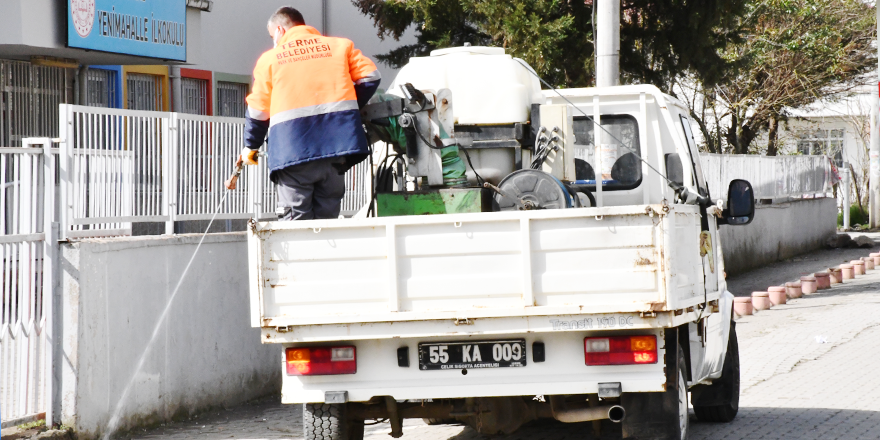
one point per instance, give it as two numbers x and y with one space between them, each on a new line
856 216
32 425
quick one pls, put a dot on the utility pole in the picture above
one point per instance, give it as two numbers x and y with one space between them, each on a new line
874 152
607 43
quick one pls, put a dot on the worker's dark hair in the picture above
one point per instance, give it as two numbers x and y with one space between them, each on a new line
287 17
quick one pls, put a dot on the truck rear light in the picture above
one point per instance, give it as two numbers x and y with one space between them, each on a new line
620 350
318 361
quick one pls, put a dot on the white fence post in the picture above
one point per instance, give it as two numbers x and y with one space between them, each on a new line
169 181
65 132
50 249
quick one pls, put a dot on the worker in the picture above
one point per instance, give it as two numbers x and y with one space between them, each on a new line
306 95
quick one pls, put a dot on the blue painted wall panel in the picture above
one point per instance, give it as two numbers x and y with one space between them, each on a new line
149 28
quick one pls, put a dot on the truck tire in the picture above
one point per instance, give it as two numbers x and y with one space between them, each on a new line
325 421
719 402
681 393
660 416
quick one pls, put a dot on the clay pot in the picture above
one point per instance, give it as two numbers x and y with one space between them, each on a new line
876 257
761 300
869 263
858 267
793 290
742 306
835 275
808 284
823 280
847 271
777 295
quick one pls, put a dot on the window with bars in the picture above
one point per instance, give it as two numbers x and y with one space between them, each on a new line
231 99
29 99
827 142
102 88
194 94
145 92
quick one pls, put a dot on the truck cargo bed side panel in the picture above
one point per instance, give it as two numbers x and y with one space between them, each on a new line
595 260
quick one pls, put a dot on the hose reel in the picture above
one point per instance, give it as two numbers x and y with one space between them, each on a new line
530 189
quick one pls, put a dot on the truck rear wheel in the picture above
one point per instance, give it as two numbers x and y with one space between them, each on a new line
719 402
660 416
325 421
681 392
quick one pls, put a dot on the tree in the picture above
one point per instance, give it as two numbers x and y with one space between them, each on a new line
795 52
660 39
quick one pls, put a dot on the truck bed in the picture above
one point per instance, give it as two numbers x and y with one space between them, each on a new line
485 265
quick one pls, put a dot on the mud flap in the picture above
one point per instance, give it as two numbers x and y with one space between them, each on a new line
654 416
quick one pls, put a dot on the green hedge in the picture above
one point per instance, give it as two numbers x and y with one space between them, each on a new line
856 216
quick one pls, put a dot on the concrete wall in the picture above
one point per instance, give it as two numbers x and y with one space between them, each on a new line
778 232
203 355
234 32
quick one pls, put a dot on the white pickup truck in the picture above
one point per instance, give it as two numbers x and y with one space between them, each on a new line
494 319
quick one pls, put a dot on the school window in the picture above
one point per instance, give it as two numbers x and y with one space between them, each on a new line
194 96
145 92
231 99
102 88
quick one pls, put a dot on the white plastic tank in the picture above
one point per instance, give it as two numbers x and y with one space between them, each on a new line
488 86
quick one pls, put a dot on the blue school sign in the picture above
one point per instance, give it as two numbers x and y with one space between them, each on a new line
149 28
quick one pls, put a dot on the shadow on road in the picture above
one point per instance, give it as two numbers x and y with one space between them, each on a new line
751 423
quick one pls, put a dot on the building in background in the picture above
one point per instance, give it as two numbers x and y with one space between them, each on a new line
189 56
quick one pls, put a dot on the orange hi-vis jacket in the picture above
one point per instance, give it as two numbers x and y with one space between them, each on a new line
307 94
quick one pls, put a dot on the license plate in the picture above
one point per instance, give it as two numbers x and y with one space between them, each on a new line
479 354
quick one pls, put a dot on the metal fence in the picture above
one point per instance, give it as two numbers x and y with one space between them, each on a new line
123 166
776 177
26 257
29 99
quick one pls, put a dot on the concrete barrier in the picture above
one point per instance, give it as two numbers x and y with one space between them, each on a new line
779 231
205 354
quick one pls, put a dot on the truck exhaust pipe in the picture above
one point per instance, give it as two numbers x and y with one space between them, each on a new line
560 412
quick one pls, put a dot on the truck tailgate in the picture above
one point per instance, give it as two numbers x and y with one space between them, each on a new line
593 260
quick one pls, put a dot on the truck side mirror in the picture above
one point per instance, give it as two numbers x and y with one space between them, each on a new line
740 203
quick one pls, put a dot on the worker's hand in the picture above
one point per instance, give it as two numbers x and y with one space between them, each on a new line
248 156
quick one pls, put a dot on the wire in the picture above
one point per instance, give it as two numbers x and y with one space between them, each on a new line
371 211
595 124
468 156
419 133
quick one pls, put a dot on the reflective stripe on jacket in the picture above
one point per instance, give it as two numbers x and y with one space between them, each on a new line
305 96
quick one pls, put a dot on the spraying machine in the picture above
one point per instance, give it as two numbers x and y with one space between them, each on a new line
530 253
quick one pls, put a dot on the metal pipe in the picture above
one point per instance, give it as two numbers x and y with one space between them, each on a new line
325 18
845 186
176 93
607 43
874 150
560 412
83 81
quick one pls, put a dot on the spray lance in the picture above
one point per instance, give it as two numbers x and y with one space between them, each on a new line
233 179
248 156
